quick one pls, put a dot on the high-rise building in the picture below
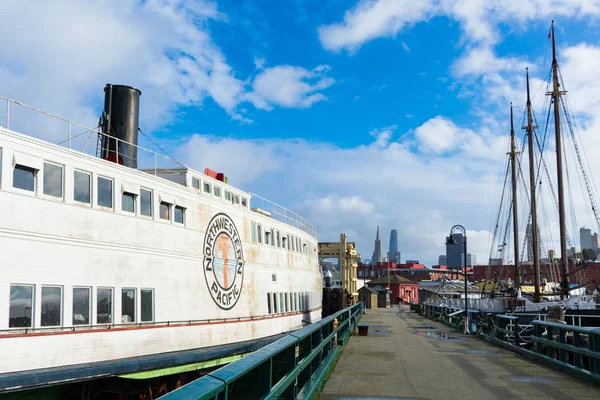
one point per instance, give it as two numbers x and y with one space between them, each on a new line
471 259
442 260
454 251
585 238
377 256
394 253
595 243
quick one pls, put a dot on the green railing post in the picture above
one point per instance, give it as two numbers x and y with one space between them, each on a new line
562 339
576 356
594 339
265 377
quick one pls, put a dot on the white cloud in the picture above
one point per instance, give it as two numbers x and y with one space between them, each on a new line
371 19
405 46
289 86
439 135
59 56
352 189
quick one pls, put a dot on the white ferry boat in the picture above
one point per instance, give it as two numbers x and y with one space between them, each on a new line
109 269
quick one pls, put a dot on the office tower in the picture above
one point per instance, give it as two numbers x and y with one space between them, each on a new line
377 256
394 253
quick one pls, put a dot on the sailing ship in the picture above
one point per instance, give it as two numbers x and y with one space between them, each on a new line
556 293
114 264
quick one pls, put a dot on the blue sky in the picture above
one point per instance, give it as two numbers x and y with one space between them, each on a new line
353 113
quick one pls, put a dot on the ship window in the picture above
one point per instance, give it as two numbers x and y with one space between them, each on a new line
217 191
269 302
127 305
287 302
281 303
283 241
272 237
275 303
295 301
53 180
293 244
104 305
278 239
298 245
165 210
196 183
236 199
128 202
259 233
51 305
81 187
244 202
227 195
147 298
253 232
24 178
206 187
304 248
21 301
267 236
105 192
146 202
81 306
179 215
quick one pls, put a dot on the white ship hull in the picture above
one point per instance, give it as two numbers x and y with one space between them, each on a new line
195 297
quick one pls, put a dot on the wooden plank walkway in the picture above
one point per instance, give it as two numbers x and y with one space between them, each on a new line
400 359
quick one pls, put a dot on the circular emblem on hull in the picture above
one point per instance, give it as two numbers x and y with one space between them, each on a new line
223 261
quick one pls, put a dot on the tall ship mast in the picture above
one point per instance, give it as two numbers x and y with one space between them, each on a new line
556 93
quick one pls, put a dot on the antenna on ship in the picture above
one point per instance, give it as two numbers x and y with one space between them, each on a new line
556 93
532 187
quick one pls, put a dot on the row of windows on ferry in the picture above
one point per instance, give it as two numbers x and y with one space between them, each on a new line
291 302
25 178
275 238
86 304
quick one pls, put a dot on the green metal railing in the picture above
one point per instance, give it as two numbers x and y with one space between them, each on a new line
567 347
294 367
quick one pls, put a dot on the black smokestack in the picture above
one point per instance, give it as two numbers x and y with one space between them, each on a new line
120 120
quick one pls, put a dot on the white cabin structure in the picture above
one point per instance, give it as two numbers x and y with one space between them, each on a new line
104 263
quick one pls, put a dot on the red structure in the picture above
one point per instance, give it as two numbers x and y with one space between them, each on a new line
401 287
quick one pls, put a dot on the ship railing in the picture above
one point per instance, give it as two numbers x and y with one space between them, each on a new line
570 348
280 213
133 325
294 367
40 124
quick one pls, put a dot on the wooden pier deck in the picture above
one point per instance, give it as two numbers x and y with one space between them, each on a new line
402 359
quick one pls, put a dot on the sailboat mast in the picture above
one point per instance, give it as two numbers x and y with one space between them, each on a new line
556 93
513 160
532 187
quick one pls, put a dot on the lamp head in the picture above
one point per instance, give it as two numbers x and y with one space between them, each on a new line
451 240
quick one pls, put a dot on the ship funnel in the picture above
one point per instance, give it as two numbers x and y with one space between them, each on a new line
120 124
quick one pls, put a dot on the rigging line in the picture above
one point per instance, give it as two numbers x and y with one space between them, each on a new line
499 209
570 190
156 144
590 188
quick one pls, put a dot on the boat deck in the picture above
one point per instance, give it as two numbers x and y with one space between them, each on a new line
407 356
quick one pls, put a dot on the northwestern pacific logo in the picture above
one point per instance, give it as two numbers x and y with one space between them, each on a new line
223 261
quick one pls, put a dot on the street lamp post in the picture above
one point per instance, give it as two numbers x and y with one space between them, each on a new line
452 241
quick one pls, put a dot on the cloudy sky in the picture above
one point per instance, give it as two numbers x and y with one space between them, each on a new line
352 113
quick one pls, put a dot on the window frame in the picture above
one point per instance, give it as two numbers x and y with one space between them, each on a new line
259 233
60 302
25 168
134 319
134 197
62 181
253 232
217 191
169 212
235 199
245 202
278 236
112 304
269 306
151 202
275 308
31 308
206 185
227 195
182 209
90 185
272 237
151 290
199 187
112 192
89 289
